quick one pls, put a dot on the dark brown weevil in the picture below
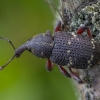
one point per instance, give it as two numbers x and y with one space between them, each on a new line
63 49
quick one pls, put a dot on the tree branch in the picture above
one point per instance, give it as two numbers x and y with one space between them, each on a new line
85 12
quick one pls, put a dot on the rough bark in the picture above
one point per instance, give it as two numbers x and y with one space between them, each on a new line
84 12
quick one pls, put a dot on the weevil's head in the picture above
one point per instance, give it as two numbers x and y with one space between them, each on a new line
41 45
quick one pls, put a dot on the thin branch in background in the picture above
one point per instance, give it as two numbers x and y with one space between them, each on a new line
52 4
88 11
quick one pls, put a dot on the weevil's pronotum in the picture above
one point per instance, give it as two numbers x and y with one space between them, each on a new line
63 49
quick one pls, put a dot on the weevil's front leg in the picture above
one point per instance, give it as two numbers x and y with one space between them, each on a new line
49 65
75 76
58 26
82 28
64 72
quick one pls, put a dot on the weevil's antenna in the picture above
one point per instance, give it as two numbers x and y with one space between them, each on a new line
5 39
1 67
8 41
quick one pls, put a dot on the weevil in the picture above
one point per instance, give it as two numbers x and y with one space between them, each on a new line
63 49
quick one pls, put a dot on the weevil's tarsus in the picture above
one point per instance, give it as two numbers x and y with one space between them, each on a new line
64 72
75 76
82 28
1 67
8 41
71 75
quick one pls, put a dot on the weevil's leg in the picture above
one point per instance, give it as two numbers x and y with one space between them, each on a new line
89 33
64 72
8 41
82 28
75 76
49 65
58 26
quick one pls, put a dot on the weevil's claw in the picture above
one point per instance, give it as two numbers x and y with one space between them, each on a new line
75 76
64 72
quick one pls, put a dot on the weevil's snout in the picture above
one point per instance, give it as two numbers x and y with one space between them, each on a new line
20 50
17 54
41 45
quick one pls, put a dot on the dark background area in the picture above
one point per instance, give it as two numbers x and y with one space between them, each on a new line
26 78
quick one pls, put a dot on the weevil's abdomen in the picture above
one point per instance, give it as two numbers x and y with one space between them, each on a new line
41 45
75 51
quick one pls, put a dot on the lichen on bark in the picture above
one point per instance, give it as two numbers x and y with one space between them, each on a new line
85 12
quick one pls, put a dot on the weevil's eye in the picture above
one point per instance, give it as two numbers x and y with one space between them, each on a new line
17 54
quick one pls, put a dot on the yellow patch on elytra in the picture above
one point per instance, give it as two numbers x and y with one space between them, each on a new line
70 58
70 62
93 47
92 39
68 51
88 61
92 42
91 57
69 42
74 35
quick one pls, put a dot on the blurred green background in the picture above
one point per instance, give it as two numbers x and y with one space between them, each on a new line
26 78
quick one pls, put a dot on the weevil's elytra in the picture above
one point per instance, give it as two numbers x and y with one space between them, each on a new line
81 52
63 49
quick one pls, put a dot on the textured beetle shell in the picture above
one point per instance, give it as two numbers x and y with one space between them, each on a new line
75 51
41 45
